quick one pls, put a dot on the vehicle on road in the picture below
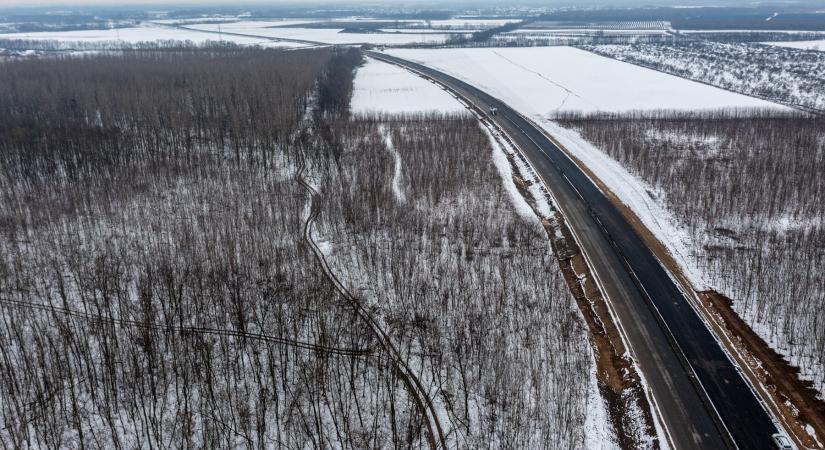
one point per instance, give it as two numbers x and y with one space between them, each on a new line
782 442
704 399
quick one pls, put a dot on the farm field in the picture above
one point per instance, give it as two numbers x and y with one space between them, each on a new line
412 226
384 88
325 35
544 81
802 45
147 33
776 72
714 251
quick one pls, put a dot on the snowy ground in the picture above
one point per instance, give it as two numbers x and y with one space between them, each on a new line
471 22
146 33
536 82
382 87
325 35
541 81
585 31
634 193
238 26
386 88
608 26
803 45
196 20
787 75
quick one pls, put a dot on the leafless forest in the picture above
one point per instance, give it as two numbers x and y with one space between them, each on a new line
785 75
158 289
418 223
750 188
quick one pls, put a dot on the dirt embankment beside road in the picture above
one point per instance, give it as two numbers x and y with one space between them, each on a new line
619 382
796 399
799 406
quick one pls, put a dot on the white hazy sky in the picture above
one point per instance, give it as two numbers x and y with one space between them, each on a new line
166 3
172 4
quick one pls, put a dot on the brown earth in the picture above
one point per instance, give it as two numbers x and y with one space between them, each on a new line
618 380
791 399
796 398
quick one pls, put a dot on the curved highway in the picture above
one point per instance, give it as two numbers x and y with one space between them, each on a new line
703 400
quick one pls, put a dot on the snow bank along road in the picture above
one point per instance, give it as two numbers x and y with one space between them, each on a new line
700 396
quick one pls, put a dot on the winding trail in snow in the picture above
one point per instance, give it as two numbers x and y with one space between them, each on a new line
419 394
397 190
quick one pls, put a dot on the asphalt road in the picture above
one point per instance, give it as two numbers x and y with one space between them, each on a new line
705 403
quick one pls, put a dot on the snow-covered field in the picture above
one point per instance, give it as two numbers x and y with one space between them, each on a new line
803 45
324 35
196 20
146 33
542 81
246 24
585 31
386 88
787 75
620 25
426 30
471 22
538 82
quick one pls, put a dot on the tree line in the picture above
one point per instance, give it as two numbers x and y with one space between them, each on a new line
749 188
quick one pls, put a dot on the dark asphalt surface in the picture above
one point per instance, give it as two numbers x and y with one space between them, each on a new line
704 401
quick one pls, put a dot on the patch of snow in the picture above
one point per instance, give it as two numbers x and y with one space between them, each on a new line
505 171
386 88
196 20
544 80
239 26
584 31
812 433
423 30
133 35
786 75
598 433
324 246
471 22
325 35
397 191
802 45
634 193
743 31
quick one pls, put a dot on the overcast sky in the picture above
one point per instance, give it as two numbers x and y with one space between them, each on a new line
392 3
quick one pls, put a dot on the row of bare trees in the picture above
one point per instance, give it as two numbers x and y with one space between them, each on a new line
418 222
785 75
154 288
749 186
156 291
